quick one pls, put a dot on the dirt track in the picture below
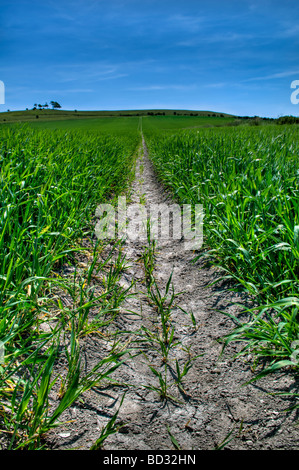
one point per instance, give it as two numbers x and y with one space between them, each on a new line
214 401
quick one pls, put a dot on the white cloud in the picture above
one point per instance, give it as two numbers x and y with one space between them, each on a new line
191 23
291 30
163 87
273 76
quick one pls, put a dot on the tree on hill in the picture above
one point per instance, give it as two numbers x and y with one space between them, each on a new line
55 105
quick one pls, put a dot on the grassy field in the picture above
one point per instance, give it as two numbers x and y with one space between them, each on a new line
115 122
51 183
54 173
151 123
247 180
128 124
110 125
33 115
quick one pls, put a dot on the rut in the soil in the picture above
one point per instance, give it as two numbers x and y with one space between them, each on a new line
212 400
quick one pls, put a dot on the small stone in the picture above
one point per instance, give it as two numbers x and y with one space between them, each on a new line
124 430
64 434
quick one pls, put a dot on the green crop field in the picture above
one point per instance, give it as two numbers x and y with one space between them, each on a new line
53 114
151 123
248 182
51 184
108 125
119 124
55 172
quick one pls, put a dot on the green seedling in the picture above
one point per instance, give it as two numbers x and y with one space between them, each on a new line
110 428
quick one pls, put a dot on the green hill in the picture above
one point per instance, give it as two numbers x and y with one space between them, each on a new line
55 114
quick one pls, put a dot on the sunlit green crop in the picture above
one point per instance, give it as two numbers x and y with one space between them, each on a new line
50 185
248 182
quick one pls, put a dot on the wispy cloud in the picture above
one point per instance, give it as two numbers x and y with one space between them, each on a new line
163 87
94 71
229 37
291 30
215 85
273 76
186 22
88 72
79 90
247 81
24 89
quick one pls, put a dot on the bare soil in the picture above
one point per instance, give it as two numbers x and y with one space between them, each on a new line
214 400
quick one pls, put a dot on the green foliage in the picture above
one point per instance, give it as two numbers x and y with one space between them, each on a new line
247 179
51 183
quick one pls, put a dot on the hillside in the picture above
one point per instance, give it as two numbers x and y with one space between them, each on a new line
54 114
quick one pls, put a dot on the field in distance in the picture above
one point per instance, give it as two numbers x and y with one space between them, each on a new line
49 114
110 121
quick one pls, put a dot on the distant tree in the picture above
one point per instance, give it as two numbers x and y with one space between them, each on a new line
40 106
55 105
46 105
288 120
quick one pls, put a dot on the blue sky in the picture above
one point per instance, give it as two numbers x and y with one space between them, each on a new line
238 57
